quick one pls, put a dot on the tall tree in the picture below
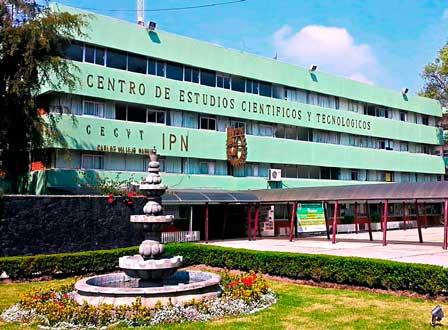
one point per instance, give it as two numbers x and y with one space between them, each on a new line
32 40
435 76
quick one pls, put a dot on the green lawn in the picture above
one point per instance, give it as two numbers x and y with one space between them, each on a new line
299 307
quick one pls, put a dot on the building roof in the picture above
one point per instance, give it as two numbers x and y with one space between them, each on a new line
434 191
206 196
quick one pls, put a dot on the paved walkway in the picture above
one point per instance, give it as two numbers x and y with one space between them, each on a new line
402 246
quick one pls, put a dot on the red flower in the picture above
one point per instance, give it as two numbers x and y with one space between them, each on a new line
65 296
232 284
247 281
37 298
110 200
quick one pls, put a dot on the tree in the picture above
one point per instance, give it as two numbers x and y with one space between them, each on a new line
32 41
435 76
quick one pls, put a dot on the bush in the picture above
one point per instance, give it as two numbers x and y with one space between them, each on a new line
65 264
371 273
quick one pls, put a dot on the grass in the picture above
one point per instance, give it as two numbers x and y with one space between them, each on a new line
299 307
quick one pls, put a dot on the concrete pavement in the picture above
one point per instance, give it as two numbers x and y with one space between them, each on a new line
403 246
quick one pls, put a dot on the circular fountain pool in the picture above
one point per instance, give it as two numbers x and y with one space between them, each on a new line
119 289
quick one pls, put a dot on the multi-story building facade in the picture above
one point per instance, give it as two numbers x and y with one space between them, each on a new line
140 89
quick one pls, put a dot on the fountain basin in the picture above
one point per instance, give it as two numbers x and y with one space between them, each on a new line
150 269
118 289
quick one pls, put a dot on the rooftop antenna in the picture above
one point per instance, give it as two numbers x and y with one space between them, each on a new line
141 12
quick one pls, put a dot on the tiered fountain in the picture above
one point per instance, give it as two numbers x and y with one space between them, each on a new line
150 275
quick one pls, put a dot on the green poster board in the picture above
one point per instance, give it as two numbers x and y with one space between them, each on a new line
310 218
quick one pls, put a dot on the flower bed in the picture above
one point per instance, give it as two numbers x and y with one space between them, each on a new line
54 307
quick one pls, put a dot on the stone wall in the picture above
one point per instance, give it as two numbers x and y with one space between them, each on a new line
32 225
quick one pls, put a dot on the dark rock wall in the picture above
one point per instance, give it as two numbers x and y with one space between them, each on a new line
32 225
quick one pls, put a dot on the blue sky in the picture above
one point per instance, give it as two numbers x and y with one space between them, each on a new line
382 42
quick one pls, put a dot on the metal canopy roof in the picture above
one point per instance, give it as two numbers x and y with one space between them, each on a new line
390 191
203 196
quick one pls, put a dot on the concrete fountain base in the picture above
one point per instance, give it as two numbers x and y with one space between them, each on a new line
119 289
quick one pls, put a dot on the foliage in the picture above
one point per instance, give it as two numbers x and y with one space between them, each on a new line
65 264
106 186
376 217
435 76
32 41
247 287
348 219
372 273
55 305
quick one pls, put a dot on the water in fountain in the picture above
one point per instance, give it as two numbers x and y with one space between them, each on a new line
149 275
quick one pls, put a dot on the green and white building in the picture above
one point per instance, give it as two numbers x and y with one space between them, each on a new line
140 89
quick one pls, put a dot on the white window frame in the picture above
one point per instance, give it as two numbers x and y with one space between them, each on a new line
266 127
93 156
211 167
238 124
223 76
208 118
157 112
103 110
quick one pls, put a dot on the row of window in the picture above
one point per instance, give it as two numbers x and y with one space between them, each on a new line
142 114
95 161
145 65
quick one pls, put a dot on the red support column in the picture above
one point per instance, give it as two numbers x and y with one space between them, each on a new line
425 216
257 215
335 222
419 227
224 223
355 221
326 220
445 226
249 220
385 222
291 223
206 222
369 221
404 216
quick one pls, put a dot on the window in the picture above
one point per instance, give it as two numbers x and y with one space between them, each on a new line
238 84
238 124
116 59
208 123
387 176
355 175
137 114
386 144
191 74
91 108
265 89
94 55
74 51
223 81
174 71
160 69
208 78
137 63
250 170
156 116
207 168
445 153
92 161
403 116
151 66
404 146
121 112
425 120
265 130
251 86
162 164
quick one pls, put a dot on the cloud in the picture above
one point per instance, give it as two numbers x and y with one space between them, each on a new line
332 49
445 14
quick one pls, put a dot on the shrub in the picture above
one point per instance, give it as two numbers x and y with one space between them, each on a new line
371 273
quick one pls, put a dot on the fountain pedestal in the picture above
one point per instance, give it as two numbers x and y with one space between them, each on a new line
149 275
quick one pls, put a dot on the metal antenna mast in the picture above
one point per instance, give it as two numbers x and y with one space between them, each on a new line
141 12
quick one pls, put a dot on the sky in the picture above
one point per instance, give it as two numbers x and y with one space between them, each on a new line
381 42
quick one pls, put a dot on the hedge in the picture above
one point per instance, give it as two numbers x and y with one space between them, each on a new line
371 273
64 264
